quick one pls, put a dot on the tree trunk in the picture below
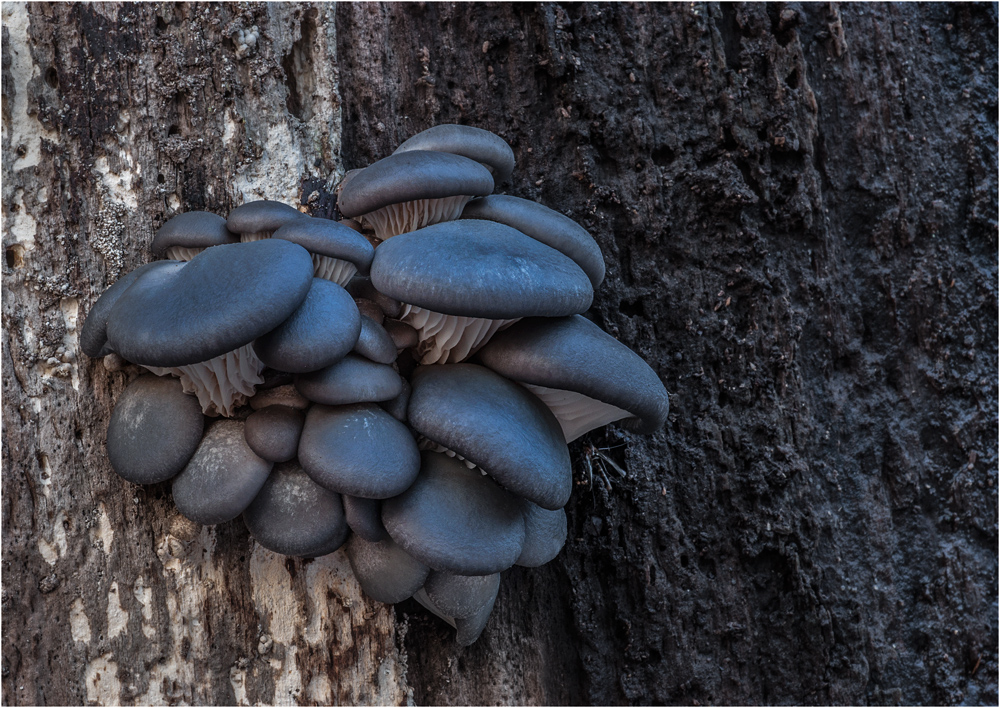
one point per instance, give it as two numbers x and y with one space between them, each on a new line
798 210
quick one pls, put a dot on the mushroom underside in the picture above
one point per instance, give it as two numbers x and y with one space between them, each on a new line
421 597
444 339
221 384
576 413
336 270
181 253
256 236
395 219
425 443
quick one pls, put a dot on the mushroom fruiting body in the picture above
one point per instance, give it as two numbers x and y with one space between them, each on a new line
462 281
186 235
258 220
197 321
587 377
477 144
338 251
410 190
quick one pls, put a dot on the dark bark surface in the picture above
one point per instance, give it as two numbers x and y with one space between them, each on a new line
798 209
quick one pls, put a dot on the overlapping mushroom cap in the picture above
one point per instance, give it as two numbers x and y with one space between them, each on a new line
572 355
475 143
186 235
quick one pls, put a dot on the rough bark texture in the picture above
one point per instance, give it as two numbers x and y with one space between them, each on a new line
797 205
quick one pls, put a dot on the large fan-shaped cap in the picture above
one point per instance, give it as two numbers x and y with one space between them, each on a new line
409 176
573 354
541 223
456 519
475 143
495 424
154 430
329 238
359 450
480 268
294 516
223 298
222 478
319 333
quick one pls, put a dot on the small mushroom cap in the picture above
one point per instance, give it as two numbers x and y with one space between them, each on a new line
154 430
359 450
222 299
273 432
470 628
474 143
574 354
545 225
93 334
294 516
496 424
192 229
222 477
544 534
261 216
364 516
455 519
384 570
317 334
475 268
461 596
353 379
329 238
408 176
375 343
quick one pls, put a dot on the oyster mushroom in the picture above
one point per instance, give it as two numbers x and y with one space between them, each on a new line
463 281
584 375
186 235
259 219
338 251
486 148
410 190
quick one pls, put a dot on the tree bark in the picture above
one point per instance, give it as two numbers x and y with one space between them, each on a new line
798 209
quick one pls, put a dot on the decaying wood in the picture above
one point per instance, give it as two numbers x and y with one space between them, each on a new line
797 205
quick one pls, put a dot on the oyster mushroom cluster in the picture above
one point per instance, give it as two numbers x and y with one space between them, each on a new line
314 376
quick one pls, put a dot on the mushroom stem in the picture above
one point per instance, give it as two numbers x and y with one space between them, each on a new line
402 218
221 384
575 412
445 339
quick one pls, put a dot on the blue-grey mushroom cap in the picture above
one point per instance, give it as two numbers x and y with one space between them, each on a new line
574 354
294 516
476 268
223 298
408 176
496 424
364 516
544 534
222 477
358 450
461 596
384 570
470 628
262 216
374 342
273 432
353 379
154 430
192 229
317 334
455 519
474 143
545 225
398 405
329 238
93 334
361 288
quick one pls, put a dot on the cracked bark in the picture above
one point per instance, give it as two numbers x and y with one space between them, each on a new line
797 205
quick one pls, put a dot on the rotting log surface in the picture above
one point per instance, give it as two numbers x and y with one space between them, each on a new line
797 205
